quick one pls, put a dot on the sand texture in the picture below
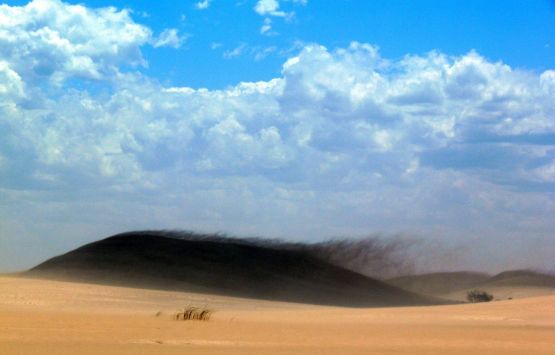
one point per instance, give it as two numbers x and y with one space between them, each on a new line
53 317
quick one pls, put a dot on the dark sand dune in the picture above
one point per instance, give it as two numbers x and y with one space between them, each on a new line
439 283
227 267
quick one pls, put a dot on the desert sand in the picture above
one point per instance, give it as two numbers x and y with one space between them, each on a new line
54 317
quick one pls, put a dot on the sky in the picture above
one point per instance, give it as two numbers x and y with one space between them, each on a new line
294 119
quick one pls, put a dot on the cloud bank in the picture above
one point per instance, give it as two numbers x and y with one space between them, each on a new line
51 40
344 141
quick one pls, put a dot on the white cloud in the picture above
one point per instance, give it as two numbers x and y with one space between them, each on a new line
257 53
235 52
261 53
343 141
203 5
11 85
168 38
267 26
330 111
268 7
547 81
52 40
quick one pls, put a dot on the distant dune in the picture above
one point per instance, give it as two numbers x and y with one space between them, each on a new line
521 278
226 267
453 285
439 283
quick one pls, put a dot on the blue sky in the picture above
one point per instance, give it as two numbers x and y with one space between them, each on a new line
298 119
516 32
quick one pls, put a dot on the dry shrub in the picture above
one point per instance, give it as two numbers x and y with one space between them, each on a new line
194 313
478 296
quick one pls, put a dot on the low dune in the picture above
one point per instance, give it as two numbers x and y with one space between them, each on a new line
503 292
44 317
455 285
226 267
521 278
511 285
439 283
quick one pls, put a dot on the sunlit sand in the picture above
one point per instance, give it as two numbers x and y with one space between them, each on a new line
53 317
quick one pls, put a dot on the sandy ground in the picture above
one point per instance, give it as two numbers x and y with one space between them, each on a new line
50 317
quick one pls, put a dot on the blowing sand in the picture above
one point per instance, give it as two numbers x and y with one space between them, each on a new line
52 317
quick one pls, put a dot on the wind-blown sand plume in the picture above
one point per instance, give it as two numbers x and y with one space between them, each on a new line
52 317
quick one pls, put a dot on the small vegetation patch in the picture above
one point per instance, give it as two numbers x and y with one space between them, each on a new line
194 313
478 296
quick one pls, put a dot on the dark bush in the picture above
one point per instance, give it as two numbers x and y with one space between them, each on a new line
193 313
478 296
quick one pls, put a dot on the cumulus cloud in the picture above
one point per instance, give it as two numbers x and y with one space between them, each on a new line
52 40
344 141
330 111
11 85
